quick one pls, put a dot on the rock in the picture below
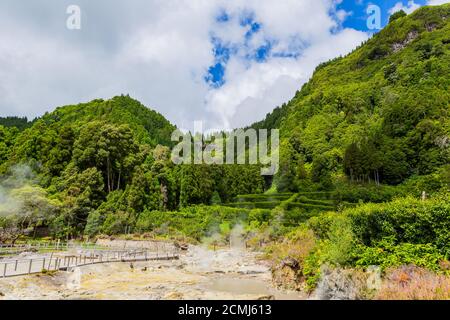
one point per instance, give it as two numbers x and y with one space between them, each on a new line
181 246
291 263
265 298
174 296
341 284
374 278
396 47
286 274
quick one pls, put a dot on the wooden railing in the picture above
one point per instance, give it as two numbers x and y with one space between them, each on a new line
65 260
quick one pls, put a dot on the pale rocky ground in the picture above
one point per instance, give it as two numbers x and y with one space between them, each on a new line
199 274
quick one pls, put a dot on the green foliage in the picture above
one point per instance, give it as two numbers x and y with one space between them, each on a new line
386 254
397 15
407 220
7 140
215 199
379 115
17 122
368 127
367 193
199 221
110 148
402 232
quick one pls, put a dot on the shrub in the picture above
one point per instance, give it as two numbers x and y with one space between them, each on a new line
366 193
386 254
413 283
289 258
407 220
309 207
94 224
321 224
335 247
198 222
397 15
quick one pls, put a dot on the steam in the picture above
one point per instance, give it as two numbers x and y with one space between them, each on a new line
19 177
234 238
237 241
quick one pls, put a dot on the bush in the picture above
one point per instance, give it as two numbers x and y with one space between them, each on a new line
321 224
255 205
413 283
397 15
309 207
386 254
366 193
406 220
199 221
431 184
405 231
94 224
318 195
303 199
263 197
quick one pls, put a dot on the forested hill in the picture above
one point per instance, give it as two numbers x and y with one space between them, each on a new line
381 114
20 123
49 143
96 167
149 126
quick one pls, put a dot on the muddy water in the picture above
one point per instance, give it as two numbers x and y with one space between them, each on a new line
199 274
250 287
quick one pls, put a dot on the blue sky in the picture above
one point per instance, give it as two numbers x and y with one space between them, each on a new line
224 62
358 8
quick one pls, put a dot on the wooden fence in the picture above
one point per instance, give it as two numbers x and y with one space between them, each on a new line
58 261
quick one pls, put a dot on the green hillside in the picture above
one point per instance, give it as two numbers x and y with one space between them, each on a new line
370 127
96 167
380 114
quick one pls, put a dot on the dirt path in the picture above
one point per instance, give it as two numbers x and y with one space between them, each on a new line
199 274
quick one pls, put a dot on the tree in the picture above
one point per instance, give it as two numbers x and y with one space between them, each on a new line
83 192
109 148
397 15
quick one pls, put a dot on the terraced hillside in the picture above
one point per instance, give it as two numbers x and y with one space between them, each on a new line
308 201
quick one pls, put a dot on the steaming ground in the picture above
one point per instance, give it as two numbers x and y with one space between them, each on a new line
199 274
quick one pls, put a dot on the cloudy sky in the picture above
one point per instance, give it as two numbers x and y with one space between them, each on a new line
225 62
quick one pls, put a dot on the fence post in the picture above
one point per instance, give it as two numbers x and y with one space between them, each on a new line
15 266
29 267
43 264
4 270
50 263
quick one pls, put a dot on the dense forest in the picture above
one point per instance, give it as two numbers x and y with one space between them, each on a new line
364 164
103 163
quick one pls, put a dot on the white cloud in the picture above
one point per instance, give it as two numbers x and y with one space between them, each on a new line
410 7
159 52
437 2
251 92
